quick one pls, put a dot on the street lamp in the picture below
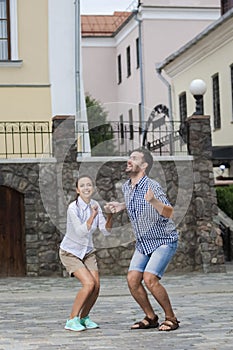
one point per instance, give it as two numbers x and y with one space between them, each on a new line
198 89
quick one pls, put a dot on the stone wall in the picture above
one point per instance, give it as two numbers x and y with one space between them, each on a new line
49 186
41 234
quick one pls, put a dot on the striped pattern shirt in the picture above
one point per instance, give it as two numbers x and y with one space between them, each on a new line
150 228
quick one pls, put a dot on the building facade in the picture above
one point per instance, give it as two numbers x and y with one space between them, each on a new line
208 57
125 53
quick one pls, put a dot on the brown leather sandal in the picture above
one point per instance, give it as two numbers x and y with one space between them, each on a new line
151 323
170 322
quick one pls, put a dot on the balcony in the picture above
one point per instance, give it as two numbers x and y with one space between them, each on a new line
34 139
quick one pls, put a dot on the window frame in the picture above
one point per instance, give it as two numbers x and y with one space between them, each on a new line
137 53
119 69
216 101
14 60
128 61
122 134
183 106
131 131
7 19
231 73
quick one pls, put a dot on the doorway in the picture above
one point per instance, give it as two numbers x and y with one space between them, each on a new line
12 233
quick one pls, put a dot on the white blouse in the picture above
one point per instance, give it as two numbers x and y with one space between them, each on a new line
78 239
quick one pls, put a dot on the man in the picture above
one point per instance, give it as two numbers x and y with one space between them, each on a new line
156 239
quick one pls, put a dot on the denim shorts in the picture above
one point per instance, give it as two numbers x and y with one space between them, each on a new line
155 262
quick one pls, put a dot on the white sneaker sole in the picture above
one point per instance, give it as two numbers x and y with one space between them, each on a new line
74 330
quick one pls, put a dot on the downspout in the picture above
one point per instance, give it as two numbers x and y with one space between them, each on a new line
161 77
141 69
77 56
81 123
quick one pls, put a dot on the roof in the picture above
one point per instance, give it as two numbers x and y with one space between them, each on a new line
213 26
103 25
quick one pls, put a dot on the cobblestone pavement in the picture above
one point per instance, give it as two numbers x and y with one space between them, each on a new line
34 311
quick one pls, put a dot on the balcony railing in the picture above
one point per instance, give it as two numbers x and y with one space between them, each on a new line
116 138
25 139
34 139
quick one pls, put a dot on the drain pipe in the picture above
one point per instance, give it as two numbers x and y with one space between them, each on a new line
141 69
161 77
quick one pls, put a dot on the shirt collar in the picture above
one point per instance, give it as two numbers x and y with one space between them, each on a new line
83 204
140 183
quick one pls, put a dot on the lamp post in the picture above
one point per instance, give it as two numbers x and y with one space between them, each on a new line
198 89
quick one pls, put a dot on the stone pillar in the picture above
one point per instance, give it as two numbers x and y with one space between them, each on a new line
63 140
65 152
209 245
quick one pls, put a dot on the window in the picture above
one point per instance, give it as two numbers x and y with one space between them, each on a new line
183 107
140 118
216 101
5 47
226 5
130 124
121 129
232 89
119 69
137 53
128 61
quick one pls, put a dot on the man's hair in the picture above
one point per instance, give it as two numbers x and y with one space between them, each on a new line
147 156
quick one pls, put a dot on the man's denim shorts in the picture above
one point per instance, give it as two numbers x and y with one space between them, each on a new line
155 262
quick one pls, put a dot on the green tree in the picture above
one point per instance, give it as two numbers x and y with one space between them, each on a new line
100 131
225 199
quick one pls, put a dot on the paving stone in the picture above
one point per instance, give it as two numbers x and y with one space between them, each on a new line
34 311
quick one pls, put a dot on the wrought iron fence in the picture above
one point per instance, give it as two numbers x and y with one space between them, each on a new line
34 139
116 138
25 139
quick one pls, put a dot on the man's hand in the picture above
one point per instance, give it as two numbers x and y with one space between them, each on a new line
116 207
107 209
149 196
163 209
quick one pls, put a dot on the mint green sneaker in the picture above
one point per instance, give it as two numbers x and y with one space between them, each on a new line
88 323
74 325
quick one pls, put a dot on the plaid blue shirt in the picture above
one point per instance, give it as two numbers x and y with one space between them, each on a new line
150 228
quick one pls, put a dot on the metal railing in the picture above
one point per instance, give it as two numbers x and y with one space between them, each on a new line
34 139
124 137
25 139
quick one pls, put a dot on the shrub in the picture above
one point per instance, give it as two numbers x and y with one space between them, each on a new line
225 199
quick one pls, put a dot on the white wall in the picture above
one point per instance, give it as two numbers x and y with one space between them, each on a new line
62 56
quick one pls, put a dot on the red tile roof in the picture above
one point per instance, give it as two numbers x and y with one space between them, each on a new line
103 25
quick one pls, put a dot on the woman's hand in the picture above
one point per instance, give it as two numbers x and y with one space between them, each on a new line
94 210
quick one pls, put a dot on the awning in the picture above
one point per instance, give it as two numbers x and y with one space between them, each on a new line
222 153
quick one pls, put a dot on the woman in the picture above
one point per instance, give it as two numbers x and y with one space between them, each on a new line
84 216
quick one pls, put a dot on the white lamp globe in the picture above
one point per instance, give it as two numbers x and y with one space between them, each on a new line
197 87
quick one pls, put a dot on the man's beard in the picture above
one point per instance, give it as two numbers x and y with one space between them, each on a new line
133 170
